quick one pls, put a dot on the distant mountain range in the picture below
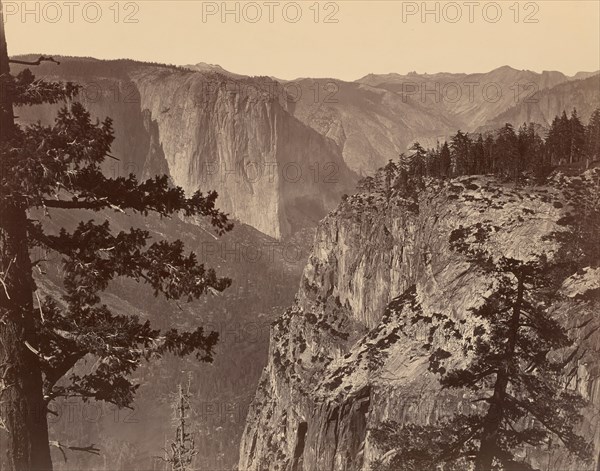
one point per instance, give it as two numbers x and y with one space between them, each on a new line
210 128
280 154
379 116
376 117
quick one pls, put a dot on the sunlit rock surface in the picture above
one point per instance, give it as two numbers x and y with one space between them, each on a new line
348 354
211 131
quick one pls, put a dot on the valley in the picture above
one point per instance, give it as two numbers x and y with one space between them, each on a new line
299 375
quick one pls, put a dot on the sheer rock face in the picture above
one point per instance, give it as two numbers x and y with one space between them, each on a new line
270 170
348 354
210 131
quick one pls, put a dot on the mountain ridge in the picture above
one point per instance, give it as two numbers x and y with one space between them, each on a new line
375 118
212 133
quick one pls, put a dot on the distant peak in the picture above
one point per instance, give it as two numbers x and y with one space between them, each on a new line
205 67
505 68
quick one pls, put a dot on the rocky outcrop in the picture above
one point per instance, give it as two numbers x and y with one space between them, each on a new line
349 354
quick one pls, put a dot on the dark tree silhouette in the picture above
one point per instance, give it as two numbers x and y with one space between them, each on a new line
559 141
460 151
511 371
445 161
479 156
592 136
418 164
58 167
577 135
507 148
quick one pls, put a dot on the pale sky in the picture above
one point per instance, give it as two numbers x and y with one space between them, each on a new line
343 39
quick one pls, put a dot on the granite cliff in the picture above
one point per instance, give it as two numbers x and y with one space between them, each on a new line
349 353
209 131
282 153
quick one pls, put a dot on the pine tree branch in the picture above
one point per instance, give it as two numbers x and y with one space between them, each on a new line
54 373
163 265
37 62
37 352
86 449
538 416
63 204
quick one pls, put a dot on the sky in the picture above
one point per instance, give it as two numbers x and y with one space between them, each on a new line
342 39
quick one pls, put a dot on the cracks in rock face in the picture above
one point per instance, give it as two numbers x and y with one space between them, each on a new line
297 463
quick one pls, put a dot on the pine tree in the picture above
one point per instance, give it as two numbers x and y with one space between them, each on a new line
592 136
531 150
432 167
577 138
433 161
564 134
460 150
510 370
181 452
552 145
558 143
445 161
507 149
418 163
59 167
390 175
366 184
523 138
489 155
478 156
511 359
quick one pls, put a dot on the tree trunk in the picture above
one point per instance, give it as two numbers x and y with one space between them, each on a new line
24 435
22 408
6 108
492 422
493 419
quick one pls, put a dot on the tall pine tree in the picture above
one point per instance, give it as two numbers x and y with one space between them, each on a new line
418 164
182 450
510 370
57 167
445 160
577 138
592 137
460 150
507 148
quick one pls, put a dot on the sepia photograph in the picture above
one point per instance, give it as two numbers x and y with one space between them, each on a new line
311 235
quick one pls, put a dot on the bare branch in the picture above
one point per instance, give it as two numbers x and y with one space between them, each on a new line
97 204
37 353
86 449
37 62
